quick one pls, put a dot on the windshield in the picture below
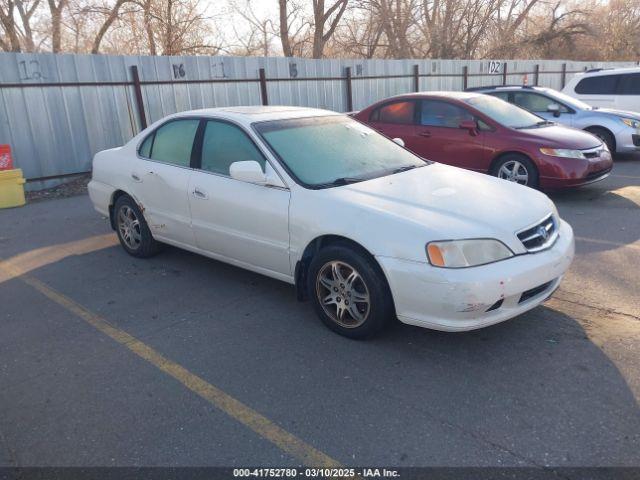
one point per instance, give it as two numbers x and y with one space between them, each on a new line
505 113
335 150
572 102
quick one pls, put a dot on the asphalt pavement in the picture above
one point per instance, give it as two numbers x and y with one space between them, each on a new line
179 360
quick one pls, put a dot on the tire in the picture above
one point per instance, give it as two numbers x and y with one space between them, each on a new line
132 229
342 275
503 168
606 137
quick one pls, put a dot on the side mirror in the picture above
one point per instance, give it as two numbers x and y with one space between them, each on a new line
470 125
248 171
399 141
554 108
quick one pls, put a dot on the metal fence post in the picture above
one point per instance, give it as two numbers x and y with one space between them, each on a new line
504 74
416 78
263 87
536 73
349 90
139 100
564 74
465 77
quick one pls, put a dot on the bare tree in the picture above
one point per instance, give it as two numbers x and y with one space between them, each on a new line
7 20
322 18
56 10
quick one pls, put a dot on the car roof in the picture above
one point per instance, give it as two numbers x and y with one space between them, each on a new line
454 95
252 114
596 72
506 88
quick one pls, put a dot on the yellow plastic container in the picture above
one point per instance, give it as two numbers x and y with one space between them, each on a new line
11 188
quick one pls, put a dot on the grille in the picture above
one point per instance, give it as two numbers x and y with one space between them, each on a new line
534 292
593 152
636 140
539 236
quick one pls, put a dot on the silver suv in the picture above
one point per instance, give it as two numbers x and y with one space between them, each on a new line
619 129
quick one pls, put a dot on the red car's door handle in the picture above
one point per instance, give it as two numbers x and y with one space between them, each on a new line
425 133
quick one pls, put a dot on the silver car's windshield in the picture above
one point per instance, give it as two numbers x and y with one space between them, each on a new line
334 150
572 102
506 113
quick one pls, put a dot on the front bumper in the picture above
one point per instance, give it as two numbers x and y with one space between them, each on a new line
462 299
628 142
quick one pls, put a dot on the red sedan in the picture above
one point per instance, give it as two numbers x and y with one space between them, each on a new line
489 135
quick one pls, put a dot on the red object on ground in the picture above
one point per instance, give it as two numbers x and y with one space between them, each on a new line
6 162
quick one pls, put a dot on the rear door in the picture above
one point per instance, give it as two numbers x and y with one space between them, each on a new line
160 179
439 134
599 90
397 119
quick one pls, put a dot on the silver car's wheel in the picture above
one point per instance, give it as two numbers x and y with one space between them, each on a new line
514 171
129 227
343 294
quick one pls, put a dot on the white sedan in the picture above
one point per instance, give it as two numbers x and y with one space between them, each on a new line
362 227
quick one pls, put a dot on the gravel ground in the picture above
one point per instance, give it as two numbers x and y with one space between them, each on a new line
75 186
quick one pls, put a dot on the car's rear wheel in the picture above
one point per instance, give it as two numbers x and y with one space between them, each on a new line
606 136
132 229
516 168
349 291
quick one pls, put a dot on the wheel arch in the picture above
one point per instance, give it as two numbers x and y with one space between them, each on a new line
591 129
112 202
313 247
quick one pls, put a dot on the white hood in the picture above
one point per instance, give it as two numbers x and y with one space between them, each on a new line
453 203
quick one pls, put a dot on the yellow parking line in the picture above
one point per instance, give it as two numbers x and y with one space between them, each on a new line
260 424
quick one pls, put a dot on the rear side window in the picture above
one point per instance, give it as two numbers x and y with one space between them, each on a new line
436 113
397 112
599 85
172 142
224 144
629 84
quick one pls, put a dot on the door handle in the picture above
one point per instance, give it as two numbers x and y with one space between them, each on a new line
200 194
425 133
136 177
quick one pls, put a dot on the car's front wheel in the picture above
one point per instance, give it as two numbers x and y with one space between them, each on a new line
132 229
349 291
516 168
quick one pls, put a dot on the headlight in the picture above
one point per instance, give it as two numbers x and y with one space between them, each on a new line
466 253
630 122
562 152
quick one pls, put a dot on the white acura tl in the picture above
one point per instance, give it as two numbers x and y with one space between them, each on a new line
361 226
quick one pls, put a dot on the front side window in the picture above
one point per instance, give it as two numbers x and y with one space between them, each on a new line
630 84
333 150
171 143
397 112
223 144
535 102
598 85
505 113
435 113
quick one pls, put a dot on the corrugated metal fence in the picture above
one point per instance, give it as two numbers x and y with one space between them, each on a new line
57 111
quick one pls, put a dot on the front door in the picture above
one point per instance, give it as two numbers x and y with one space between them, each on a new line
539 104
439 136
241 221
160 180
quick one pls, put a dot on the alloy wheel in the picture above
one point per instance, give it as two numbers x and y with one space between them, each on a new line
129 227
514 171
343 294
